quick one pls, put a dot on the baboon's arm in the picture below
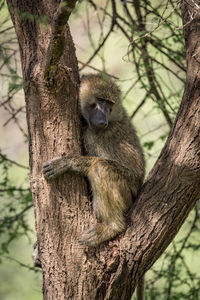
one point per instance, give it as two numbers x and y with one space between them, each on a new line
58 166
82 165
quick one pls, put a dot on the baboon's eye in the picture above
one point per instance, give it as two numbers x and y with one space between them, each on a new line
93 105
101 99
106 100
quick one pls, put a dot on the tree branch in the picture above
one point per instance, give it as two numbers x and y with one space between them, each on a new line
113 23
57 42
4 157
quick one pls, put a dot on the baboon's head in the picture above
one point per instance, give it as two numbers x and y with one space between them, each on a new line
100 101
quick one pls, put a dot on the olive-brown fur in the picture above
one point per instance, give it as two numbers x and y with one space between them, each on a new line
113 161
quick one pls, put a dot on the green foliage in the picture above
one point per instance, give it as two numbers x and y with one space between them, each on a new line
174 277
15 198
15 83
148 145
176 274
15 202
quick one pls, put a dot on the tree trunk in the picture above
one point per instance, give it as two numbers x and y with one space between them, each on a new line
62 210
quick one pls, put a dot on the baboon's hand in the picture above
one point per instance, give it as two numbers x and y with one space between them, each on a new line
53 168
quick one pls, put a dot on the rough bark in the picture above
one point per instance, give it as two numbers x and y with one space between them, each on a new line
61 207
62 210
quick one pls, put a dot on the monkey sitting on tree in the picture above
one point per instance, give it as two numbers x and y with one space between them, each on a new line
113 160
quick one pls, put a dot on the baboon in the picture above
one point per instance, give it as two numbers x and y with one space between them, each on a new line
113 159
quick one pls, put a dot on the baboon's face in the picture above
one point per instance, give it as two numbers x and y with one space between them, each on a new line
98 112
99 101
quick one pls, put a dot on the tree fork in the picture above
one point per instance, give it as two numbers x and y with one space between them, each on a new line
62 210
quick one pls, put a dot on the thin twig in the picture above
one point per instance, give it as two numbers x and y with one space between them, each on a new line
12 161
98 70
139 106
23 265
113 23
12 219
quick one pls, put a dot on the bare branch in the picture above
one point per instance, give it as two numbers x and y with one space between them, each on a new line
23 265
113 23
98 70
19 215
139 106
4 157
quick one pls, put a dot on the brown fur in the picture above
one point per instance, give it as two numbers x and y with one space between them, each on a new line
113 161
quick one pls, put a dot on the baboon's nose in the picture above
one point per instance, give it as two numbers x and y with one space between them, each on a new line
103 124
